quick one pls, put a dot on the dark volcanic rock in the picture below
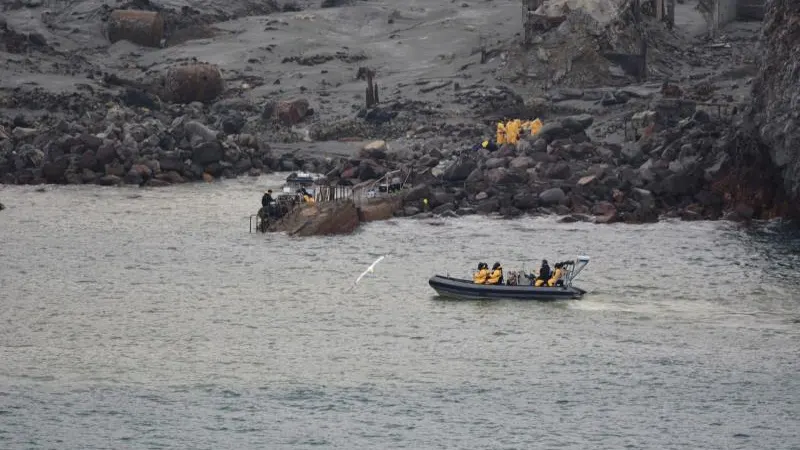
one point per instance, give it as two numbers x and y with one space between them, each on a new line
776 90
459 170
207 153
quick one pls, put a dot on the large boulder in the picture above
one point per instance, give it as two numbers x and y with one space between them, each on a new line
552 196
459 170
375 150
206 153
54 171
417 193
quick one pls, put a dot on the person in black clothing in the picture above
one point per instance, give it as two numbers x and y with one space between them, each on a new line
267 198
266 203
544 274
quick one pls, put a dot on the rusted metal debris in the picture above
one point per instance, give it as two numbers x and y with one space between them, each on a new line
372 87
140 27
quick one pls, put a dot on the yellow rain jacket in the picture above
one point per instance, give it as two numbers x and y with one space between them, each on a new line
480 276
536 126
512 131
501 133
556 276
495 277
309 199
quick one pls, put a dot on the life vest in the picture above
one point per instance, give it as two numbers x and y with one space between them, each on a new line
501 133
556 276
496 276
536 125
480 276
512 131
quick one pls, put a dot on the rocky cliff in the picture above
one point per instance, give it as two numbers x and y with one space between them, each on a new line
776 91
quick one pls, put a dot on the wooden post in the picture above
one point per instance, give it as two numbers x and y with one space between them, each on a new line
660 9
372 89
670 14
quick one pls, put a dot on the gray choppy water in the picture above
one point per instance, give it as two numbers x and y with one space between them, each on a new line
152 319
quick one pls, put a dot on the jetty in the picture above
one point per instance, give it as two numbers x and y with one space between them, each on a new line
336 209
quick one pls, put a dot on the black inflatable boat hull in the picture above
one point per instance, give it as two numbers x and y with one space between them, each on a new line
466 289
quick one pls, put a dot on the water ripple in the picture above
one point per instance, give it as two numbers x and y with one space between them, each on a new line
150 318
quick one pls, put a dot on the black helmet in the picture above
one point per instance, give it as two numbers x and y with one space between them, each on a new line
544 261
496 266
480 265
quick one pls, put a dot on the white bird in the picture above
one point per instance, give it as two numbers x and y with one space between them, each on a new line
370 269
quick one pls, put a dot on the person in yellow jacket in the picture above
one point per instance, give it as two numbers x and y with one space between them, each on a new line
513 129
557 274
497 275
501 133
535 127
480 276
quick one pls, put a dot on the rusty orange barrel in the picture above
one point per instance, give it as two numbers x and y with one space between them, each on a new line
199 82
140 27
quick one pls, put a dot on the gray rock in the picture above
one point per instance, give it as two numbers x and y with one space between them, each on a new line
194 129
54 171
417 193
525 200
106 153
232 123
539 146
459 170
559 171
465 211
22 133
207 153
552 196
523 146
109 180
409 211
552 131
494 163
441 198
645 198
441 209
522 162
632 152
578 123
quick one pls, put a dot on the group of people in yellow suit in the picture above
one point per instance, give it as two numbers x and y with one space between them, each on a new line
495 276
511 131
549 277
484 276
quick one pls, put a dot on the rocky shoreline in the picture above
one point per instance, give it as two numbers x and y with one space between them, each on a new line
632 153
